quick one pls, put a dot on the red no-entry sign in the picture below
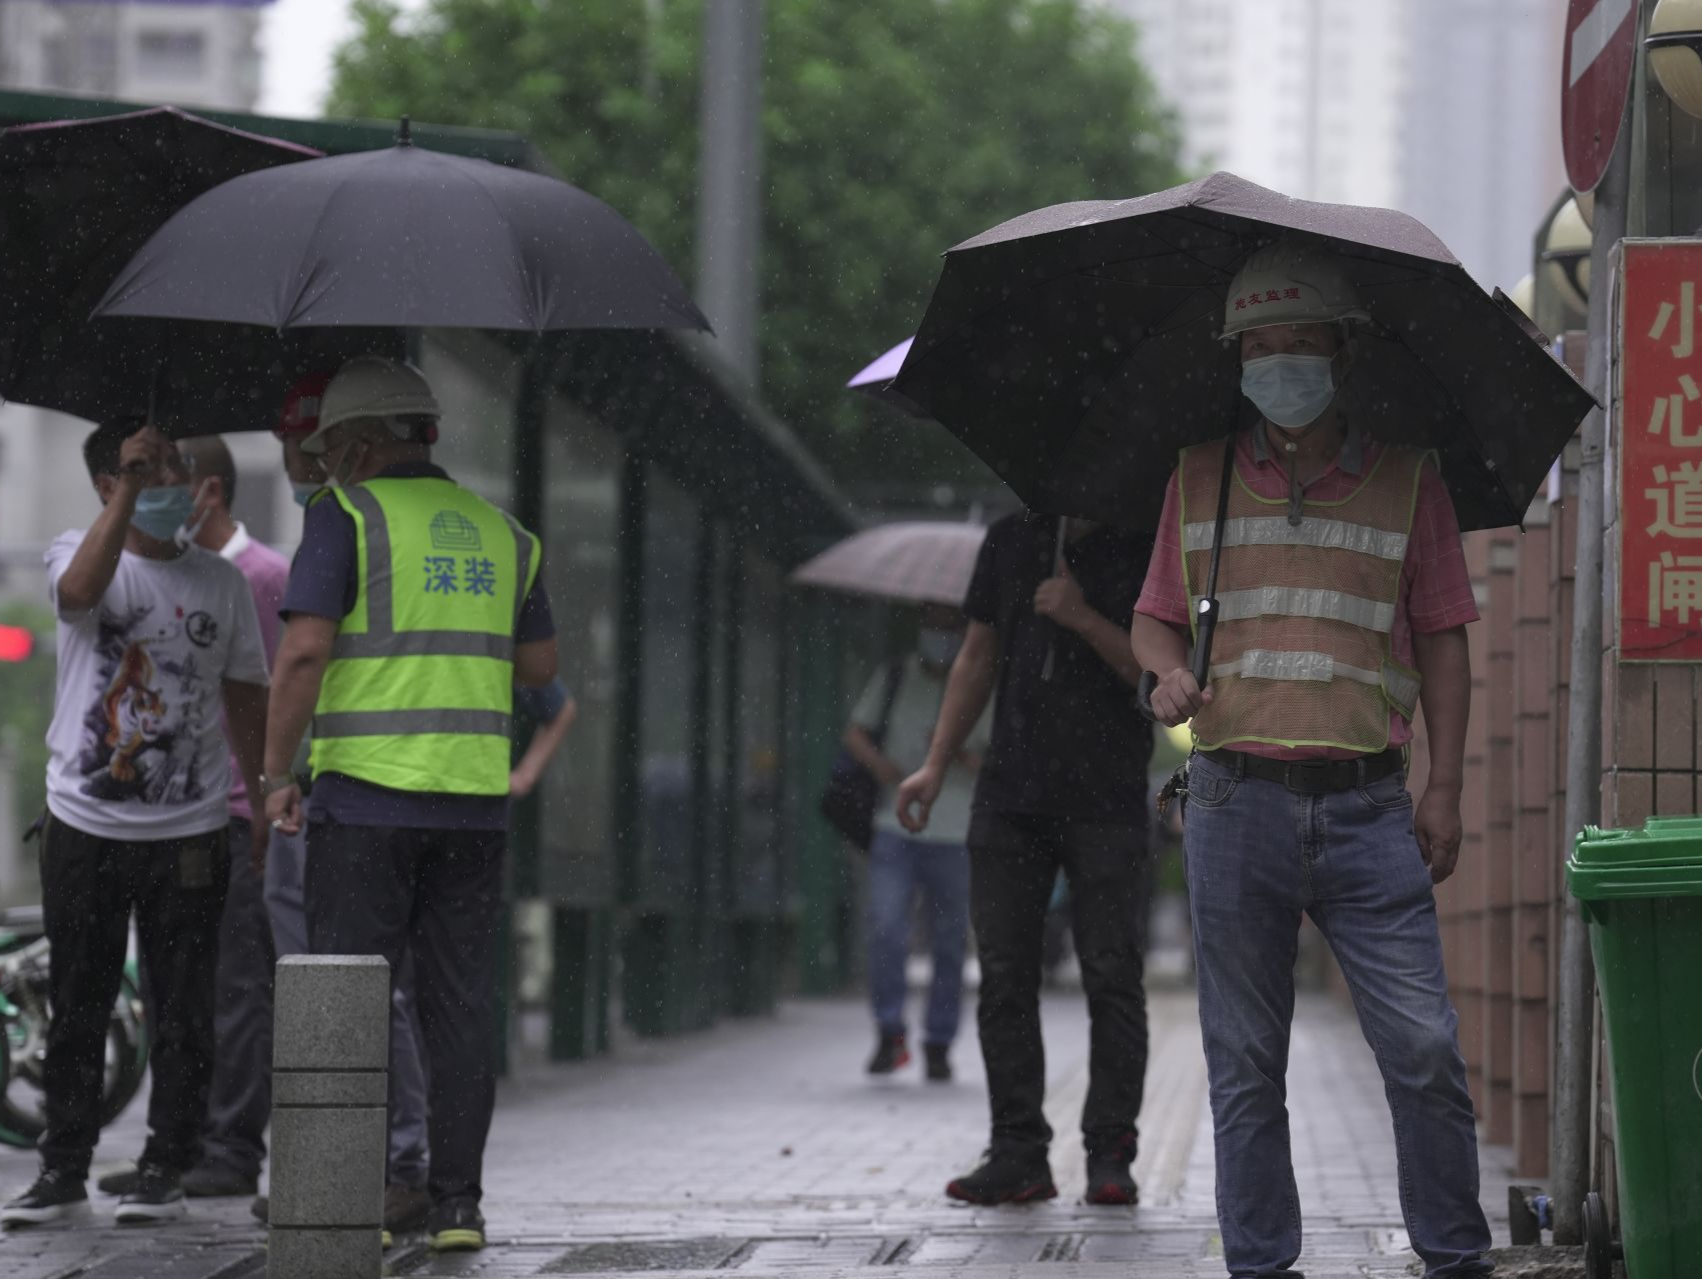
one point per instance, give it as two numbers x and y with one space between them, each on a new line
1595 80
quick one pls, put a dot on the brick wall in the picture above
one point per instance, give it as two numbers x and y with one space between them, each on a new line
1499 914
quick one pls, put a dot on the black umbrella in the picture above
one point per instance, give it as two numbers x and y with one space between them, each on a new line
77 199
406 237
1075 350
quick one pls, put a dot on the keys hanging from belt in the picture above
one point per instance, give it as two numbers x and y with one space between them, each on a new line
1177 785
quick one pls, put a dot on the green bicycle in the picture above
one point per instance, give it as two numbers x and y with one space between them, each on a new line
25 1014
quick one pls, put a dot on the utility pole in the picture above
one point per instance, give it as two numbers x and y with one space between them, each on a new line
1575 994
729 208
1575 1029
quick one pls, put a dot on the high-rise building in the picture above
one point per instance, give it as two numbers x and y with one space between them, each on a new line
189 52
1446 109
1481 160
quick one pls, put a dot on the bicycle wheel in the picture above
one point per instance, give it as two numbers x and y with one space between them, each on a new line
23 1104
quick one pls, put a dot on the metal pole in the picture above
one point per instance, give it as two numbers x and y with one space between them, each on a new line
1575 995
730 168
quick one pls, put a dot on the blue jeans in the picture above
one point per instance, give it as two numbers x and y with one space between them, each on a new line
1258 855
898 868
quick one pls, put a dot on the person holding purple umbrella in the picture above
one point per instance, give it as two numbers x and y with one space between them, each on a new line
889 735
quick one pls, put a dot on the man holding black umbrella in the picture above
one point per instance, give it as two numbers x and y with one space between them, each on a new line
413 608
1341 601
1063 786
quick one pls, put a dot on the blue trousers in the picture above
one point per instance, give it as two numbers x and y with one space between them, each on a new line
899 869
1258 855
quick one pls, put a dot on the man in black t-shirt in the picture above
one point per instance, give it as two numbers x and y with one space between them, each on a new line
1063 785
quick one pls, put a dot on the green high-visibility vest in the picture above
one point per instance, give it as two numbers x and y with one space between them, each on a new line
420 685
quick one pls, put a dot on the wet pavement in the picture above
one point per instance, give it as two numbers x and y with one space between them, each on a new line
760 1148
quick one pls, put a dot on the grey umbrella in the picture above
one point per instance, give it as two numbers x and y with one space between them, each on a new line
402 237
917 562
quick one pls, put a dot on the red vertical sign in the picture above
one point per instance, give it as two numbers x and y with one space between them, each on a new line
1660 451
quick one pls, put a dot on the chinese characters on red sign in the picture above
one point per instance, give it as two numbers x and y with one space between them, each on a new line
1660 452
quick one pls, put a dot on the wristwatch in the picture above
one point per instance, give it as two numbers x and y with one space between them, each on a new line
272 785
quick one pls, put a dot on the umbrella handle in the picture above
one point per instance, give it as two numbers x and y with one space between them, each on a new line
1144 689
1147 685
1205 625
1057 569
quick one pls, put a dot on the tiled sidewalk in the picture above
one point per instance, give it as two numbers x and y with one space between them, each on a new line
760 1147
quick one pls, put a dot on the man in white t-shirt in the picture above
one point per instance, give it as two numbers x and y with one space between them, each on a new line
157 638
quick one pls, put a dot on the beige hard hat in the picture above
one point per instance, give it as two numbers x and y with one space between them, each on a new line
1289 283
371 386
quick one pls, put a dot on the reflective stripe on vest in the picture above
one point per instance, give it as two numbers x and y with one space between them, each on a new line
1401 688
1302 651
1275 530
1294 601
418 693
403 723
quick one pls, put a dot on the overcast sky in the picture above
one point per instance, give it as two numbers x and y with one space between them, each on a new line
297 40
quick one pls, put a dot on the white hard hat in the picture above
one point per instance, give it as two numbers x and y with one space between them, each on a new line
371 386
1290 283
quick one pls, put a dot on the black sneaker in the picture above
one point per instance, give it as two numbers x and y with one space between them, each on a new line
939 1062
1108 1179
456 1226
1005 1177
158 1196
121 1182
214 1181
890 1054
261 1209
57 1193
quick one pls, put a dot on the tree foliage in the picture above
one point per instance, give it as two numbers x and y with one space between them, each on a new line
893 129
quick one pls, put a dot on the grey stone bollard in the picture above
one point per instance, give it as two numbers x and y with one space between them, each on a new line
330 1062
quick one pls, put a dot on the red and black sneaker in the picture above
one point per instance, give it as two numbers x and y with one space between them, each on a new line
1108 1179
890 1054
1005 1177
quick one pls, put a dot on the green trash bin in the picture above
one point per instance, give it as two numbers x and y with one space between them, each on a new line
1641 893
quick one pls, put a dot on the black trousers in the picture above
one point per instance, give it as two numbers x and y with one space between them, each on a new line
240 1105
1013 865
382 891
89 886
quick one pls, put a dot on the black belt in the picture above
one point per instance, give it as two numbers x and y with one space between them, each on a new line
1312 776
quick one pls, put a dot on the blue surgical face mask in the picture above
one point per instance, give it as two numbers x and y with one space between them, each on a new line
303 493
938 647
161 511
1290 390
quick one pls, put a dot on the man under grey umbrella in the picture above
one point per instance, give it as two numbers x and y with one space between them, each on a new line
413 608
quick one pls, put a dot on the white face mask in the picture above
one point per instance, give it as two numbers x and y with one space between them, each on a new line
1290 390
335 471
